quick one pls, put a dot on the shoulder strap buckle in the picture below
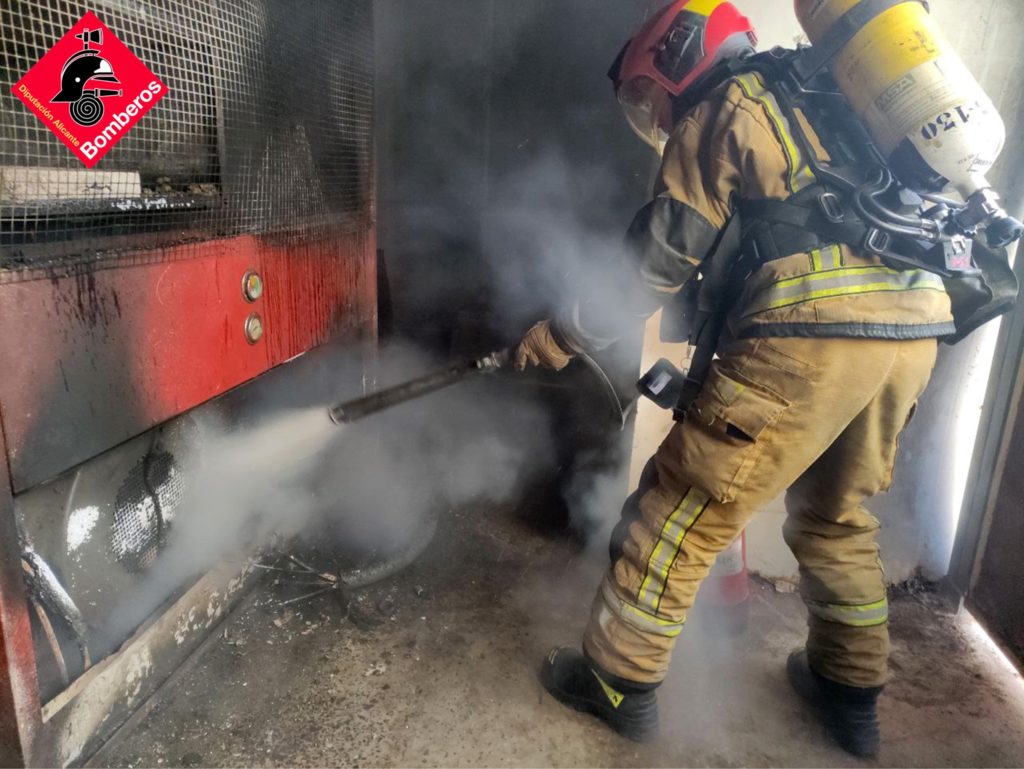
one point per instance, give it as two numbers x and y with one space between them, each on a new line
832 207
878 242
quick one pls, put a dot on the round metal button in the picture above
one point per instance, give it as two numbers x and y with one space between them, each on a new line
253 328
252 286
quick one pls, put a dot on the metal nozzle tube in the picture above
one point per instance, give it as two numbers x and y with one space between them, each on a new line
354 410
351 411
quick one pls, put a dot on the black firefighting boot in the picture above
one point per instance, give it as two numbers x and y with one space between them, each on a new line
850 713
629 708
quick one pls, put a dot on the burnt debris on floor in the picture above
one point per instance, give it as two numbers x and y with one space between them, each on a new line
436 666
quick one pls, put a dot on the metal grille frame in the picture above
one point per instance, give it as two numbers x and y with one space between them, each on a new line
267 128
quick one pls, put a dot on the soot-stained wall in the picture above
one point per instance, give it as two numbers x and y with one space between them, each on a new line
489 112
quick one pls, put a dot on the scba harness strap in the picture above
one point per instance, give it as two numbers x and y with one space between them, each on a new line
774 229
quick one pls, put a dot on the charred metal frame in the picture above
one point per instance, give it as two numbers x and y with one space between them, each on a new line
20 714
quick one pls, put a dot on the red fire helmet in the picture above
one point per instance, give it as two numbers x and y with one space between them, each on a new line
673 49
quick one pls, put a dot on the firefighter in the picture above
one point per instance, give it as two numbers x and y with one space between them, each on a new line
824 352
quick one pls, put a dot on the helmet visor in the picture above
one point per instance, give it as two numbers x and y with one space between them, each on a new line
646 105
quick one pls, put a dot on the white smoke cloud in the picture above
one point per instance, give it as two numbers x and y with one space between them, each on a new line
371 485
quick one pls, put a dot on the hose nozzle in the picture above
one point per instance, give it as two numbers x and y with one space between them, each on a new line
354 410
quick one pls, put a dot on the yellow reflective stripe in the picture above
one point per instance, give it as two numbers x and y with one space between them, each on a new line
703 7
816 260
853 615
842 282
674 531
824 259
800 174
828 293
829 275
652 624
613 696
637 617
833 257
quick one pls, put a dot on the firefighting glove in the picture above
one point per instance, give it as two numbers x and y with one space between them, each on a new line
539 348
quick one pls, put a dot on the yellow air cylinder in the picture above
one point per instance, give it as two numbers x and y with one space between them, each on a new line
913 92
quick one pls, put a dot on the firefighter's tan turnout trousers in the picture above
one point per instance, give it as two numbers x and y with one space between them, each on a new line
817 416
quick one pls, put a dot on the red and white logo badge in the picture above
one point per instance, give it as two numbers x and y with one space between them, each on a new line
89 89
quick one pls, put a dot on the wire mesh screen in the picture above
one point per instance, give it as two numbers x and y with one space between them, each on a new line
266 128
146 503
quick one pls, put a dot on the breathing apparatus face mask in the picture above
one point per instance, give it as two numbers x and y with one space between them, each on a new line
648 110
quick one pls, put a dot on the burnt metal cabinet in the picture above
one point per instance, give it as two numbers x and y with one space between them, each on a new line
231 230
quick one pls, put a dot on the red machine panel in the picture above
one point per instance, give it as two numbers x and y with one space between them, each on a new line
100 357
313 293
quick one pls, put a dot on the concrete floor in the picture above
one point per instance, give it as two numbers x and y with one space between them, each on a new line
437 668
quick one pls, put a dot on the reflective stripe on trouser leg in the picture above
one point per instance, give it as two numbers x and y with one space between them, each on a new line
665 552
640 619
627 641
627 623
641 607
854 615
